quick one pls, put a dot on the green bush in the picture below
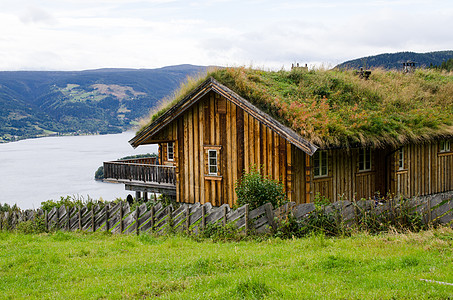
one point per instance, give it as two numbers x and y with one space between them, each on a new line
256 190
32 226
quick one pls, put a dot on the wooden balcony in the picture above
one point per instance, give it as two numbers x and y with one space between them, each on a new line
141 175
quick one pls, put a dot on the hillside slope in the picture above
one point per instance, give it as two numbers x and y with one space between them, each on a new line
39 103
395 60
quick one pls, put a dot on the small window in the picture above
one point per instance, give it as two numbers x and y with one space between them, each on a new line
170 151
401 159
320 168
212 162
364 159
444 146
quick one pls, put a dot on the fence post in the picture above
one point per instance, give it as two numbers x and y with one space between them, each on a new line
430 216
68 219
246 217
121 217
203 217
152 217
188 218
57 214
46 221
170 217
93 219
270 215
106 217
79 213
136 220
224 216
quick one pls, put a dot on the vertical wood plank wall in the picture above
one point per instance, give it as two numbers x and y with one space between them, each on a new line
242 141
426 171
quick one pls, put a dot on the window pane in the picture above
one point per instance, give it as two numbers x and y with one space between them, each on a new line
316 172
320 163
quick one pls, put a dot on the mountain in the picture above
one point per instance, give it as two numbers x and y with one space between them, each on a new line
396 60
40 103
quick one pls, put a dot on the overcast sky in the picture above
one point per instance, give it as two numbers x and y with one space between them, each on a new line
90 34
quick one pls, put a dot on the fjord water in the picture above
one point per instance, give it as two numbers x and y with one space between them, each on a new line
36 170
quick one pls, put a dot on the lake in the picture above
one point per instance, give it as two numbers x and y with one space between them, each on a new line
36 170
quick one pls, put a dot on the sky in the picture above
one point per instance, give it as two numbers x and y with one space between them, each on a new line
91 34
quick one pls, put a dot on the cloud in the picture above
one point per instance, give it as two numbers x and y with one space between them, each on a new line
37 15
82 34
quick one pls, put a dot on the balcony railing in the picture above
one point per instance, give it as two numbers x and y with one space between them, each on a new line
139 170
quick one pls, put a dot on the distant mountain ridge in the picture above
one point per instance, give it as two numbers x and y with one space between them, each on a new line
396 60
41 103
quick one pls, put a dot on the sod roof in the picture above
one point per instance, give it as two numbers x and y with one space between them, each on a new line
337 108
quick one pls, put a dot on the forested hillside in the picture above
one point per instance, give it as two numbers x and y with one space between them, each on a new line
40 103
395 60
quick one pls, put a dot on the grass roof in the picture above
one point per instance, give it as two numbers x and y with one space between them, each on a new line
336 108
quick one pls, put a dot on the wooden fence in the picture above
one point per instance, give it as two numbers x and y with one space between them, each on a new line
192 218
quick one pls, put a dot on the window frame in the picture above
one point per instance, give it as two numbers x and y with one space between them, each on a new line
365 160
444 146
172 151
401 159
320 163
216 165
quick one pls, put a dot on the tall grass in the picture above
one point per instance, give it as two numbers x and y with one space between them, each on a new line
100 266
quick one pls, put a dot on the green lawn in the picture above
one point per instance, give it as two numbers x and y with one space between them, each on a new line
99 266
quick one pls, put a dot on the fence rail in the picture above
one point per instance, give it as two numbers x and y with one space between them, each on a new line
192 218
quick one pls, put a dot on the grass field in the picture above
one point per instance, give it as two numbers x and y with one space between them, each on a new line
100 266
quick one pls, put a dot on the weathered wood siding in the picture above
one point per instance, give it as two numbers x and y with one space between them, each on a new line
426 171
241 141
345 181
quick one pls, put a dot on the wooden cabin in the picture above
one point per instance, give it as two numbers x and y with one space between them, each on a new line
213 135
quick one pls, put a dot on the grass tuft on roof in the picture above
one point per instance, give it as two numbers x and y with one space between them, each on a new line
337 108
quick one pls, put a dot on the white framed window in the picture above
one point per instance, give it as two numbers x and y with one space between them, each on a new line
444 146
170 151
212 162
320 168
401 159
364 159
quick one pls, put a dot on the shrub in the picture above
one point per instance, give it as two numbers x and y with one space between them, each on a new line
32 226
256 190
